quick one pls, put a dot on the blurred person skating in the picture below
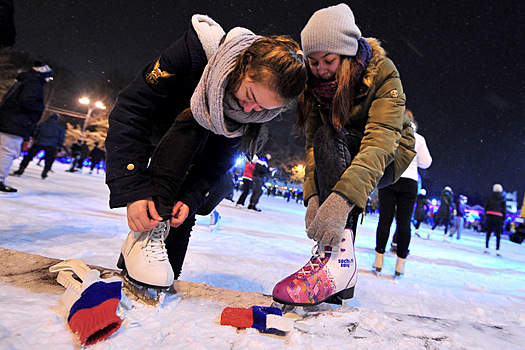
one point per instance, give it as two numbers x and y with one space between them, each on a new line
247 182
48 136
84 153
398 200
235 88
358 137
459 217
215 217
261 170
95 156
421 210
444 213
76 152
20 110
495 211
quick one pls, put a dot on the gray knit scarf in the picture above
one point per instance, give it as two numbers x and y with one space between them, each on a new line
215 109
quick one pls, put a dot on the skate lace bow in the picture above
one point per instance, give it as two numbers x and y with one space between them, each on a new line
155 247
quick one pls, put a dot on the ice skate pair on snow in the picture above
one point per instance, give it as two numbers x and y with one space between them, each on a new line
329 276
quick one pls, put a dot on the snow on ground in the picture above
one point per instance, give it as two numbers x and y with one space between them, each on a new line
453 296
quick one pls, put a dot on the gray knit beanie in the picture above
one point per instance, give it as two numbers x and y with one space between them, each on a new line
333 30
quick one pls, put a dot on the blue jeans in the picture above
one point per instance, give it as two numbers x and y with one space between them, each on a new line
457 227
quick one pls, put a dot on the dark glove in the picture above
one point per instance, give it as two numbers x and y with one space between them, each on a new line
329 223
311 210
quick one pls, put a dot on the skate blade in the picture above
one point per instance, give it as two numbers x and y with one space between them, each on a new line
148 295
298 312
121 264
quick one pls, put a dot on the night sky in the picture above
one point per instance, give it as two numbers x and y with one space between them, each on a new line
461 64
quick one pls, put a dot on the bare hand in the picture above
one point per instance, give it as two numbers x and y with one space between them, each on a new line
142 215
180 213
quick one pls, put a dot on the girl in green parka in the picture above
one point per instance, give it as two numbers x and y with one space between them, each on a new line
358 138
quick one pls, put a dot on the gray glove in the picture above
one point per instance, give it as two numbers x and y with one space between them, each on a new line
311 210
329 223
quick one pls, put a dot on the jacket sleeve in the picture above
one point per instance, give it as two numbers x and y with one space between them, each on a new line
138 107
381 138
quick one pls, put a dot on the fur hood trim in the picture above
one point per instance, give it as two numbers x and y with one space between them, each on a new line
378 55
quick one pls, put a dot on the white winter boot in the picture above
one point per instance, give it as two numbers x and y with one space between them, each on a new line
329 276
145 259
378 264
400 267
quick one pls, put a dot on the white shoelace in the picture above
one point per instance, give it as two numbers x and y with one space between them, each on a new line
318 253
155 247
314 262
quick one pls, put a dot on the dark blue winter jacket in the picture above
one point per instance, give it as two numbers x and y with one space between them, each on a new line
49 133
144 112
23 104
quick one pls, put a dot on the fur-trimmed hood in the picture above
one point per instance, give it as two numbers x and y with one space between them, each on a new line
378 55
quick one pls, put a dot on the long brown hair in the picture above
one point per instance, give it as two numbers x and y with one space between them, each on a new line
276 62
348 79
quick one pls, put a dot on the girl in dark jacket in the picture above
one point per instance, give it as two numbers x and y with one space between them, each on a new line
495 211
247 82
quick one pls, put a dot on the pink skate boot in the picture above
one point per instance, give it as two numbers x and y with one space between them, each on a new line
330 276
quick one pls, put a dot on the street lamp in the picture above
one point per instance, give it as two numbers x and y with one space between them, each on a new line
91 108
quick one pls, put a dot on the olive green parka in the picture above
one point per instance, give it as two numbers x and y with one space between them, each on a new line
378 112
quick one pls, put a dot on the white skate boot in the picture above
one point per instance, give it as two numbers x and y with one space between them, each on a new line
378 264
144 257
329 276
400 267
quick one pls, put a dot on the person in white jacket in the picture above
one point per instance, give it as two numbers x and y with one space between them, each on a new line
398 200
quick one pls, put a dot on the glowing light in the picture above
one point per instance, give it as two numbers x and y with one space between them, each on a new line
100 105
84 100
239 160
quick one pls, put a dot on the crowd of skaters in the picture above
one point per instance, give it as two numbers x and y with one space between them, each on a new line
450 217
